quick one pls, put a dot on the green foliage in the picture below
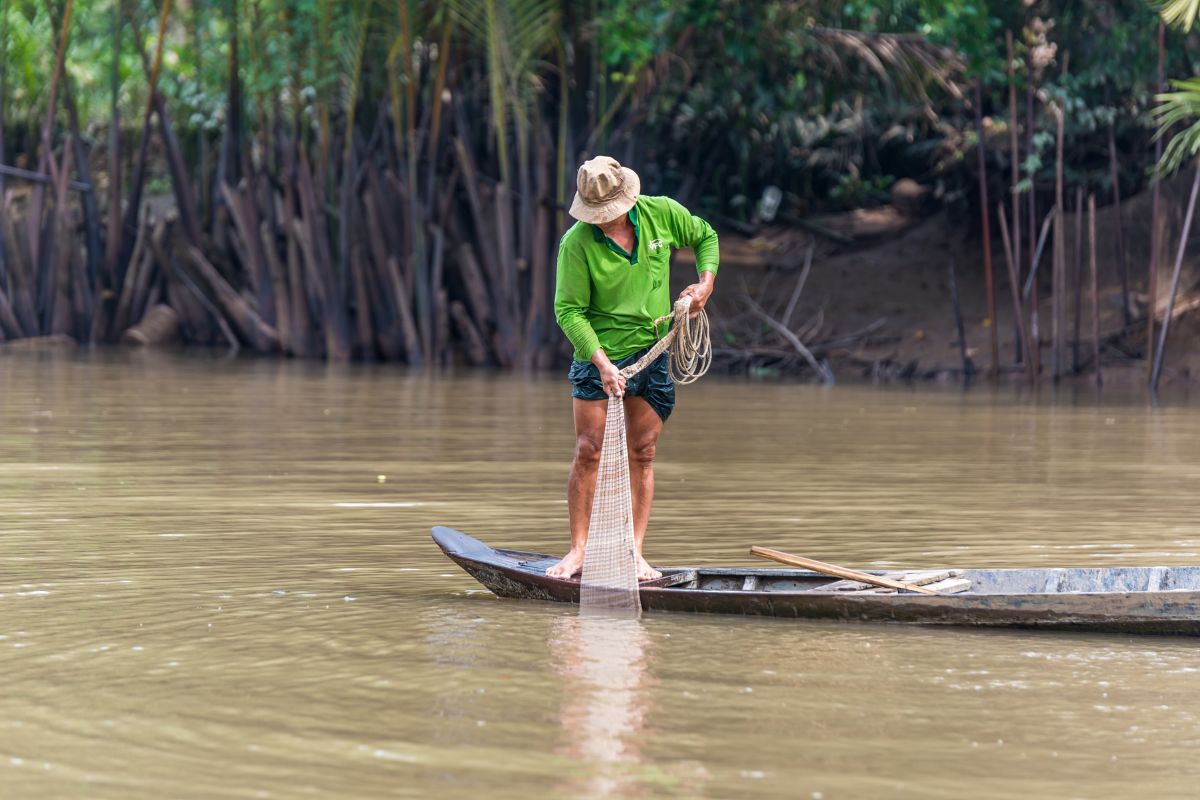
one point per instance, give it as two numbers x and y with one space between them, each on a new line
967 26
852 191
1179 107
817 97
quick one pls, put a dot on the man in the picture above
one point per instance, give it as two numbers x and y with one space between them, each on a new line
613 271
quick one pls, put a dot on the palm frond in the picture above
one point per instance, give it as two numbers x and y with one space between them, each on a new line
516 35
471 16
906 62
533 26
351 53
1180 13
1178 107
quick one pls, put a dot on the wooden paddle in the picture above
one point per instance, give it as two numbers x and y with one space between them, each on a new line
835 570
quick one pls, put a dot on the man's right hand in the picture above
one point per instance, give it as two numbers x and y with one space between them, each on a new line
610 376
613 380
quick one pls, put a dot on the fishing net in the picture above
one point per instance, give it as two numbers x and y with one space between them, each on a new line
609 581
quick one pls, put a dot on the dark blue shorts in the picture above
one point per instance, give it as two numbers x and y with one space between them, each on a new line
653 384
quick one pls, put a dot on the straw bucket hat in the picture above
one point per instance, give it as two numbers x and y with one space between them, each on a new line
604 190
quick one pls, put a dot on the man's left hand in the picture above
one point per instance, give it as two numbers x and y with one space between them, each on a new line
699 292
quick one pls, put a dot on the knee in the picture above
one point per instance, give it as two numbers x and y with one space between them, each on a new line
642 452
587 450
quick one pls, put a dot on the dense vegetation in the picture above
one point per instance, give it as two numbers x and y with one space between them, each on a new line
388 179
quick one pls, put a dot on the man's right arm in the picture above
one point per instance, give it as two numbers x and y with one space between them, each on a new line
572 296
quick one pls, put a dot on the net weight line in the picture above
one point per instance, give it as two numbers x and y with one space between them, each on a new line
609 580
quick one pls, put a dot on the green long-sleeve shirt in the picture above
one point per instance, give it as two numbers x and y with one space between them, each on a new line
607 298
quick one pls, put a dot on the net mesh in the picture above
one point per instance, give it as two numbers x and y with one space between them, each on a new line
609 581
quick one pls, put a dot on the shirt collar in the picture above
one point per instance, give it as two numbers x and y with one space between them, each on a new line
633 217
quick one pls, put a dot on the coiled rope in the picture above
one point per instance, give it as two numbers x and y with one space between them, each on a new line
688 343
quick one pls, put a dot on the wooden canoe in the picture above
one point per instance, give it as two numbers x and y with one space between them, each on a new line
1158 600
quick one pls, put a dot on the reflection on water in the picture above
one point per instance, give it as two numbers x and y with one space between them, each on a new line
604 661
216 580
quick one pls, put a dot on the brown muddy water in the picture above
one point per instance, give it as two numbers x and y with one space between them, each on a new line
216 580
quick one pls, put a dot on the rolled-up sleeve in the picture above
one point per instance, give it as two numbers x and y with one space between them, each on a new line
572 297
694 232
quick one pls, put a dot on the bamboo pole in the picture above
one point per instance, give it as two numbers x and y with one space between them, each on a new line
1015 180
243 211
316 236
1059 282
1029 292
58 256
20 277
1095 290
55 274
539 256
279 285
1166 325
198 46
1014 280
137 263
985 215
1077 274
562 150
1115 178
87 200
412 339
46 162
836 571
364 332
302 339
113 244
968 369
1155 222
133 207
1030 127
185 199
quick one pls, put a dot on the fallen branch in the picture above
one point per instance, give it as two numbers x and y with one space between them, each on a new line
823 371
791 306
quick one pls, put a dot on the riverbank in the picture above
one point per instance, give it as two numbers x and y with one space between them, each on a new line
879 304
874 303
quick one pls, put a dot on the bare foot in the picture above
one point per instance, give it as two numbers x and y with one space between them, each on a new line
569 567
645 571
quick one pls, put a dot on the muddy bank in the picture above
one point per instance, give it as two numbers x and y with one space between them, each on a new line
879 307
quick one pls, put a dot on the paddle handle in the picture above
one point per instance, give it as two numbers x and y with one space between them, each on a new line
835 570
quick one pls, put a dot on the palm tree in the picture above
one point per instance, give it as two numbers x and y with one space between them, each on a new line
1183 104
1177 106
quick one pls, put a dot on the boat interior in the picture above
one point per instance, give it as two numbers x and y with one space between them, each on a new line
950 581
1057 580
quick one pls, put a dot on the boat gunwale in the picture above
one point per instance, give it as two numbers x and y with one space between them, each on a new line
524 557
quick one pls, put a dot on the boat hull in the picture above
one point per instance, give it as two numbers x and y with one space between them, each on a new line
797 594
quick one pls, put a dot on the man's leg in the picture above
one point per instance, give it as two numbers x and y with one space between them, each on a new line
581 486
642 427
